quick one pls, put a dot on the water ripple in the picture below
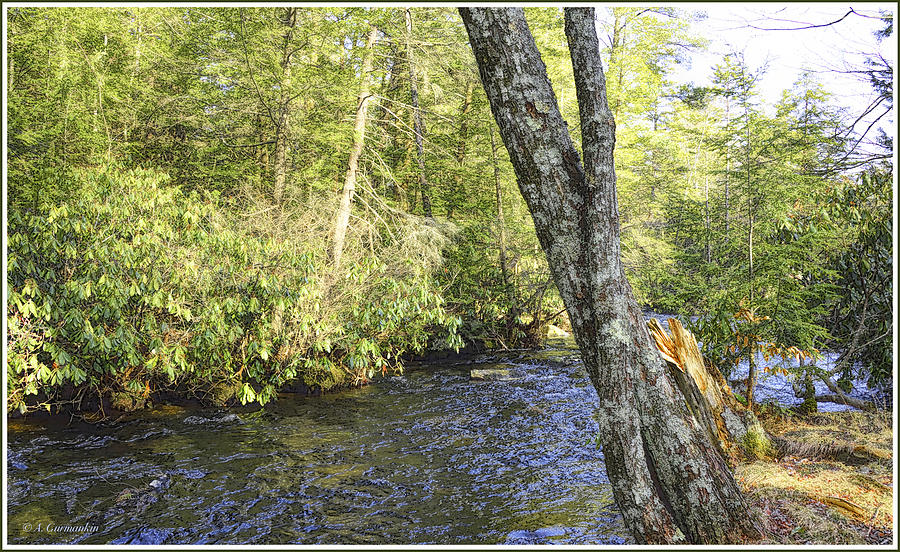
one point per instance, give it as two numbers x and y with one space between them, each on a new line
426 458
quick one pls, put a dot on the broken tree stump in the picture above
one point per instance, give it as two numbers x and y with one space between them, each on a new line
735 429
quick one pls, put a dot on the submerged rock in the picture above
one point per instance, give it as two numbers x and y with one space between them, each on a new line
226 419
139 499
492 374
556 331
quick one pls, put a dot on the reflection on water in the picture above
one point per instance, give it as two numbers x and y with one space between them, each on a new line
429 457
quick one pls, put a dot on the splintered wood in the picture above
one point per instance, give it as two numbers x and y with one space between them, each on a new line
664 343
705 390
682 351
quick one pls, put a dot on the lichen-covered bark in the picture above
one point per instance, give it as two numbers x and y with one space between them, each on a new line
668 479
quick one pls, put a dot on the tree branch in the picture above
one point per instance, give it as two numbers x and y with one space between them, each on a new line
245 145
810 25
250 70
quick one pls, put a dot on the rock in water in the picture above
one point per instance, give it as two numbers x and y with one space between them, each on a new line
161 483
556 331
139 499
491 374
226 419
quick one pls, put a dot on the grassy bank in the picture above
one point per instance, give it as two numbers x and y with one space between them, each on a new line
834 487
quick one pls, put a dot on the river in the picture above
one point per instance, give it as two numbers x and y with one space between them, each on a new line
429 457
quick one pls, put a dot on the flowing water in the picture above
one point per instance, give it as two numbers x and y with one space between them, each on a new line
427 457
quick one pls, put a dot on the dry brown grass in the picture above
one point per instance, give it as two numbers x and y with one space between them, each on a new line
816 499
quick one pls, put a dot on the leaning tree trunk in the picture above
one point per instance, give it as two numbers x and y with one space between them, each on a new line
417 119
668 479
342 219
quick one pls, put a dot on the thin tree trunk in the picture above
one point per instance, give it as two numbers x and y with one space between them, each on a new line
706 224
263 149
412 190
500 222
751 372
281 130
458 193
417 118
668 478
727 164
342 220
390 87
136 69
618 38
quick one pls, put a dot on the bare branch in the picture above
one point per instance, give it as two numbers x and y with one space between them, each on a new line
809 25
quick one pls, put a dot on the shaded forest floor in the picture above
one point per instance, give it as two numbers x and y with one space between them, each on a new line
836 487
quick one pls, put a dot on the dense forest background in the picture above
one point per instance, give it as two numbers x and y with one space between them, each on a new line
225 202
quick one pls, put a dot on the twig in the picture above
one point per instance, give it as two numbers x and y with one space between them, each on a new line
872 521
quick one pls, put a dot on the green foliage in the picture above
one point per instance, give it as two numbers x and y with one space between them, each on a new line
753 251
756 443
209 289
726 340
504 311
862 315
132 286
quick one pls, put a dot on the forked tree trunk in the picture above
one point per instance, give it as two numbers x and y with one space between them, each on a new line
417 119
342 219
668 479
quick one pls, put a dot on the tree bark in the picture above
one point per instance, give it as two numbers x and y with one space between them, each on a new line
417 118
281 131
668 479
500 221
342 219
